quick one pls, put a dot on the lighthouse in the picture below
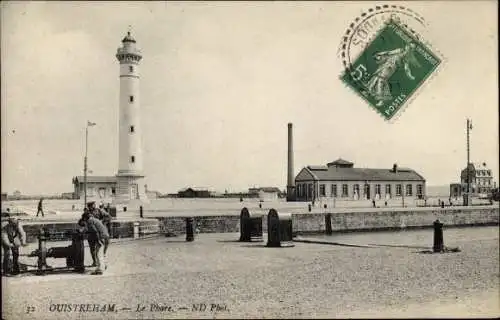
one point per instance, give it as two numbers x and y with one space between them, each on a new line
130 177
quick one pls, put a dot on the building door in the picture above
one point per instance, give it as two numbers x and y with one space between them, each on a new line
367 191
133 191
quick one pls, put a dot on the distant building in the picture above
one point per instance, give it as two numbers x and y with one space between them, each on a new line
480 180
265 193
68 195
100 187
193 192
339 179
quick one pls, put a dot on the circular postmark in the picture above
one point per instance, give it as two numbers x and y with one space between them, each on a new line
386 58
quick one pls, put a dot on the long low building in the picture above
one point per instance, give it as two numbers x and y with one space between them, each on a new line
339 179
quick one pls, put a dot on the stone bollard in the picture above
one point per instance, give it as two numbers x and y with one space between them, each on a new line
279 230
244 229
328 224
438 237
42 253
136 230
250 227
189 229
78 250
140 212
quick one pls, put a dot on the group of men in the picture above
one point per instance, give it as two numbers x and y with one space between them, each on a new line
95 222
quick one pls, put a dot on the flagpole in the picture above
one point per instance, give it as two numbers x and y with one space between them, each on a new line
89 124
85 165
469 125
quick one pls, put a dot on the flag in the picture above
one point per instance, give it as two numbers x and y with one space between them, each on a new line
90 124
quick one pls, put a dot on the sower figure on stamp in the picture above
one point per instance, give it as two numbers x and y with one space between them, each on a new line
40 207
13 236
98 235
389 62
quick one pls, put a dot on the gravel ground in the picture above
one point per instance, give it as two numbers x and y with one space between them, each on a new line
251 281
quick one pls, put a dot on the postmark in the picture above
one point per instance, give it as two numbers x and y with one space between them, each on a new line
387 59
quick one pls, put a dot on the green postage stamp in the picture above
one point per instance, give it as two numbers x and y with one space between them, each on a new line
391 68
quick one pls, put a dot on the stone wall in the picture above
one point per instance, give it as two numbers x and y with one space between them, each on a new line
302 223
349 221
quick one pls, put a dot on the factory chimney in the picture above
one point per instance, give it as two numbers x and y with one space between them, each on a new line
290 185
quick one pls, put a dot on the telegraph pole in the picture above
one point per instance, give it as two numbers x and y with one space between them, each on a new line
469 127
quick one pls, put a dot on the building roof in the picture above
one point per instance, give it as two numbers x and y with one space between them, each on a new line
95 179
360 174
128 38
340 162
265 189
195 189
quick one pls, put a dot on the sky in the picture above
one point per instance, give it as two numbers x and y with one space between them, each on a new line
219 83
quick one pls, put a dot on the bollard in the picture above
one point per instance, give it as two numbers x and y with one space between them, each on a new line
250 227
42 249
189 229
279 229
136 230
78 249
140 212
438 237
273 229
244 229
328 224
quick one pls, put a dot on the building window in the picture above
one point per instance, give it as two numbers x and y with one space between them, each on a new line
322 190
355 189
398 190
409 191
366 189
388 189
420 189
489 172
344 190
334 190
131 128
377 189
131 68
131 98
132 159
113 191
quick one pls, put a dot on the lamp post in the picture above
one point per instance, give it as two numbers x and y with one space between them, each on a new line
89 124
467 197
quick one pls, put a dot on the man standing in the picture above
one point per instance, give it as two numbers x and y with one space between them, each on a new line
40 207
98 236
13 236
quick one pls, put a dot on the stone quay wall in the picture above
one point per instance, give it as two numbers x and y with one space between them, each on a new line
348 221
377 220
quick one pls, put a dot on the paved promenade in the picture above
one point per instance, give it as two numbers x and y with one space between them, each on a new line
215 277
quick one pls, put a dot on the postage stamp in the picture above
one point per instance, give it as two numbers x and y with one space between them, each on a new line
392 64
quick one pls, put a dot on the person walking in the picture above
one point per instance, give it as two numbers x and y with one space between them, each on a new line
99 235
13 237
40 207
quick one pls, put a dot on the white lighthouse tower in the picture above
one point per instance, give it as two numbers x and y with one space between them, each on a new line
130 177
